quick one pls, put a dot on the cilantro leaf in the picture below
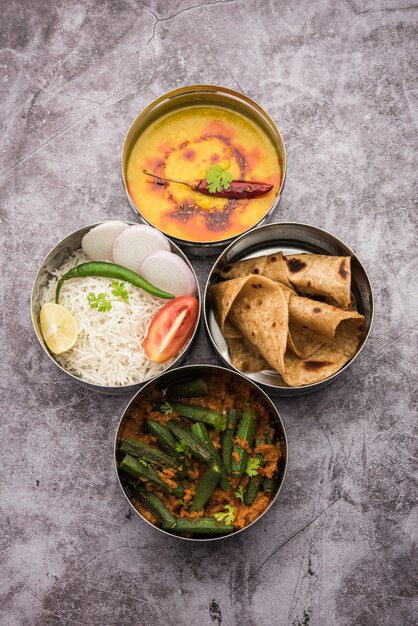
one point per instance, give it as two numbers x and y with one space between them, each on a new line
219 424
118 290
166 408
227 516
102 303
252 466
99 302
183 448
143 462
218 178
240 493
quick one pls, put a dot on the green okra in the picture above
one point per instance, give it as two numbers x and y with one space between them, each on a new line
183 434
198 413
255 481
201 432
135 467
147 453
246 431
228 439
189 389
153 504
204 488
164 438
200 526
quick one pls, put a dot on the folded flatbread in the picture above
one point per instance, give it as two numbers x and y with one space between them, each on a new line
323 277
267 325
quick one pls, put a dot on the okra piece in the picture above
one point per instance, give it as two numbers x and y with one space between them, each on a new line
147 453
164 438
189 389
201 432
195 446
134 467
168 443
199 413
228 439
201 526
204 488
153 504
246 431
269 484
255 481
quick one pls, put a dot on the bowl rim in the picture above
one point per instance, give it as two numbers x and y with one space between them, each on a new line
301 389
169 95
270 403
94 386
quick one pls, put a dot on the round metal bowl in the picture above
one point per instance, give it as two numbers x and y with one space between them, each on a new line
289 238
52 261
198 95
189 372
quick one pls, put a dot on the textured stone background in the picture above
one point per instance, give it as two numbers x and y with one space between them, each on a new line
338 78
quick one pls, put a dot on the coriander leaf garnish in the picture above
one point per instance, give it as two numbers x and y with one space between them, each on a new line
218 178
143 462
102 303
240 493
252 466
246 404
166 408
99 302
183 448
118 290
227 516
219 424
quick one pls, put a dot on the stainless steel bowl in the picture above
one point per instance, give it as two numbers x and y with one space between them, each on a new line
289 238
52 261
204 94
186 373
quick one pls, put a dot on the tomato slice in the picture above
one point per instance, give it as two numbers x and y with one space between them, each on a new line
171 328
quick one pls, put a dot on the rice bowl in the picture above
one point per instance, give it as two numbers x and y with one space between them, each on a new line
108 350
116 364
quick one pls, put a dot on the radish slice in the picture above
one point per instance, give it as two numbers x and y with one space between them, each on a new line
98 242
169 272
135 244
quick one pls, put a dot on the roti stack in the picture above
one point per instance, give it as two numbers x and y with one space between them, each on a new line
292 314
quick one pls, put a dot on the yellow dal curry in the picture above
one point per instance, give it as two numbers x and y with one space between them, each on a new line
184 144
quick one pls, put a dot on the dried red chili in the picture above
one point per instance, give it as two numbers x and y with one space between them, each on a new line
236 190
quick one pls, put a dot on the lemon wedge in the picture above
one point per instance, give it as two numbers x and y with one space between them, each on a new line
59 327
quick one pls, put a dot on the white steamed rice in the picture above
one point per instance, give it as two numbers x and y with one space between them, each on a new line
109 349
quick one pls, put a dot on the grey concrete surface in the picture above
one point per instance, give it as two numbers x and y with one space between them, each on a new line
339 78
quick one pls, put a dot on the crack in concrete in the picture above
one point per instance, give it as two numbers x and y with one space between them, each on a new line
96 556
19 55
80 119
172 17
56 95
47 69
76 575
387 9
276 550
326 435
80 98
57 615
118 594
236 82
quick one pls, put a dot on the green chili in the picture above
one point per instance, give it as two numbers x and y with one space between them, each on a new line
111 270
